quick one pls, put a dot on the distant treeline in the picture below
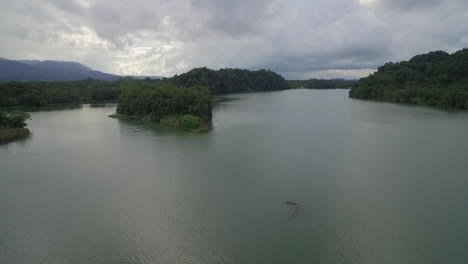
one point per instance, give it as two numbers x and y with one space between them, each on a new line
435 79
219 82
45 93
321 84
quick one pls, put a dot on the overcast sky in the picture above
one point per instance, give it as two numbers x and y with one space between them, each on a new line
297 38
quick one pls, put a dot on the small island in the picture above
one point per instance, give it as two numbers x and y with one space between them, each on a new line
12 126
185 108
435 79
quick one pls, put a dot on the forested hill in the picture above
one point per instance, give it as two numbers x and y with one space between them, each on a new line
231 80
435 79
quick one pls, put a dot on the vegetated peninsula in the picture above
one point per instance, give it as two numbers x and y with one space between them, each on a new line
434 79
170 105
12 126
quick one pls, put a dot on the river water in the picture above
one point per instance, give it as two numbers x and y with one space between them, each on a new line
375 183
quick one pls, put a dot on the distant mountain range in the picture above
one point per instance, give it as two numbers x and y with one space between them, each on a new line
34 70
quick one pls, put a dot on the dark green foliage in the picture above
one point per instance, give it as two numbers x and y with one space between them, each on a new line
185 122
44 93
434 79
13 119
321 84
157 100
231 80
3 119
190 121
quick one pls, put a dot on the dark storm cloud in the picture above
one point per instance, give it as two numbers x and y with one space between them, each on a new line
296 38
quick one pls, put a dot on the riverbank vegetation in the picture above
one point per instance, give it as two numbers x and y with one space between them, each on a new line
185 108
12 126
434 79
321 84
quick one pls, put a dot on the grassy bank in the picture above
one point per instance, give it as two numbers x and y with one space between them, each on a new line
10 134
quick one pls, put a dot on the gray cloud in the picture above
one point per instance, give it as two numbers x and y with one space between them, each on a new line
296 38
413 4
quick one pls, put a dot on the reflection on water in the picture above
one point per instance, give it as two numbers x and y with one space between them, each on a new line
51 107
106 105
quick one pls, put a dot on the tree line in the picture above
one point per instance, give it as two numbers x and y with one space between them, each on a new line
321 84
45 93
436 79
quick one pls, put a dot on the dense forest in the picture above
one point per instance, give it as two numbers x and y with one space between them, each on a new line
187 108
220 82
321 84
231 80
44 93
435 79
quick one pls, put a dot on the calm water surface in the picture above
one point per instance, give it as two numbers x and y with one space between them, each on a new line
378 183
